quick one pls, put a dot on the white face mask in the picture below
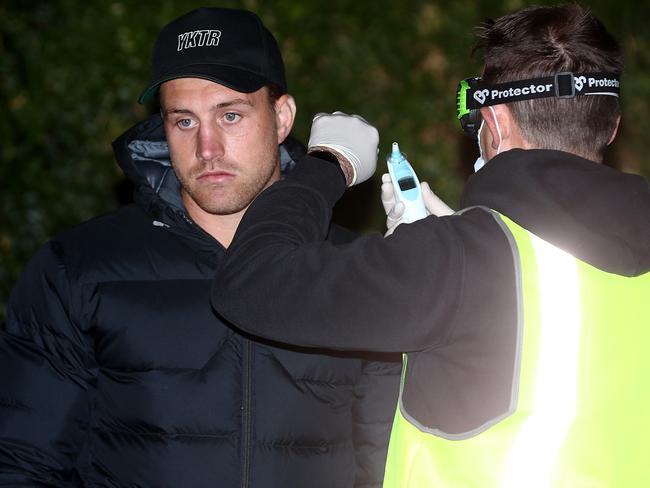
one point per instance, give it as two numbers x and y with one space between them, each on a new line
480 162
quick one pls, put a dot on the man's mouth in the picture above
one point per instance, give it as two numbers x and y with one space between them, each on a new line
216 176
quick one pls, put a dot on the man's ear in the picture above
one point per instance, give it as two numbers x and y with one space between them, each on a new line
506 131
285 115
615 131
500 131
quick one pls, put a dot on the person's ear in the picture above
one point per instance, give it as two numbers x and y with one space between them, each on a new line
498 121
615 131
506 132
285 115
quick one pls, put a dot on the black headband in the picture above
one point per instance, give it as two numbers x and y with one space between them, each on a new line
561 85
473 94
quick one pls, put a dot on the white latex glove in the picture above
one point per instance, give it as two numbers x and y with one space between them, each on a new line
351 139
394 210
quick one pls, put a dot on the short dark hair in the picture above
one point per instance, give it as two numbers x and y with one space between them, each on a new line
544 40
274 92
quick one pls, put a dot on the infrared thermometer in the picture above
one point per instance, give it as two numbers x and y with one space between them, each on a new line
406 185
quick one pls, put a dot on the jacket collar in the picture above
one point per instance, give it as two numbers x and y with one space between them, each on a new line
596 213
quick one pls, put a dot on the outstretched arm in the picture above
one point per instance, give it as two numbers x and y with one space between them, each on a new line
371 294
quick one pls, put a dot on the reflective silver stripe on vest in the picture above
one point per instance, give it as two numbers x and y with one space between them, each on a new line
534 452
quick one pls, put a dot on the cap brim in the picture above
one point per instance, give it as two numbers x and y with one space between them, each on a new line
235 78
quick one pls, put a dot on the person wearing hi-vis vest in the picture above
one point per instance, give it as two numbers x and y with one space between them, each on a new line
524 316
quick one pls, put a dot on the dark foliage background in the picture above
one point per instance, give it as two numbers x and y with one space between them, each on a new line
70 72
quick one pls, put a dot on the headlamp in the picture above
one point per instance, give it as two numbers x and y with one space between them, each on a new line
472 94
470 118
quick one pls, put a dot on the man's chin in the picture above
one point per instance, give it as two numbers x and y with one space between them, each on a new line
221 201
222 207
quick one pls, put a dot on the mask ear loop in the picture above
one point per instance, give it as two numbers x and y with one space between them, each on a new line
496 122
480 162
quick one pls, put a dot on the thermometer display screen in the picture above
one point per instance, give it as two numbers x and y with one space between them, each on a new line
406 183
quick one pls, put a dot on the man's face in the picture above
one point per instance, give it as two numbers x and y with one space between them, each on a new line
223 143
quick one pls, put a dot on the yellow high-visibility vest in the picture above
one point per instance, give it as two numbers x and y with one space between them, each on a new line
582 414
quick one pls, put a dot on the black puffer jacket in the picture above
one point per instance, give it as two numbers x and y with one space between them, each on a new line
116 372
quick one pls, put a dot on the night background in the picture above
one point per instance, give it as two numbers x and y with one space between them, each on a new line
71 71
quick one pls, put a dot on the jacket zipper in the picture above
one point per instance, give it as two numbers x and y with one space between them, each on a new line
247 387
246 411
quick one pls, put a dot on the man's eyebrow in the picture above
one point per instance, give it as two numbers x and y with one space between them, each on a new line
218 106
235 101
174 110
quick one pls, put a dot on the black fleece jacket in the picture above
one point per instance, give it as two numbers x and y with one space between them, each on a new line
440 284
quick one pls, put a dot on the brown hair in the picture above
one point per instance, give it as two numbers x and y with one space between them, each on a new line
542 41
274 92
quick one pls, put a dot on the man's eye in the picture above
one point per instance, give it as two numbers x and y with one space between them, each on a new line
184 123
231 117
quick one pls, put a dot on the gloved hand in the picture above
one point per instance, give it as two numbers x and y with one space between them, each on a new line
395 209
351 139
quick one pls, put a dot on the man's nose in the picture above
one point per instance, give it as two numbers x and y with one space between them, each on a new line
210 144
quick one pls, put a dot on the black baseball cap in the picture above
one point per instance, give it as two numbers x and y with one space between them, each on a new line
230 47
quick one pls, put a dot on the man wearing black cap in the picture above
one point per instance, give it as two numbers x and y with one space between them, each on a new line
117 372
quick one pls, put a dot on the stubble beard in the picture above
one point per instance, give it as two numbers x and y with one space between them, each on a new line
230 197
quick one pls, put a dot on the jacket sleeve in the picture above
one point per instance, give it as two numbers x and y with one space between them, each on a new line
46 371
373 410
395 294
